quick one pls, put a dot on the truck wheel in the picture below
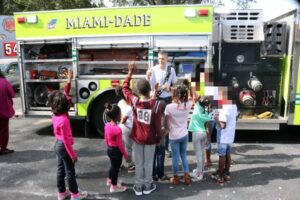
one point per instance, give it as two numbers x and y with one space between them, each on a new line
97 116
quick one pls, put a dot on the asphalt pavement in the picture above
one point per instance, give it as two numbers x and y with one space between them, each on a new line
265 166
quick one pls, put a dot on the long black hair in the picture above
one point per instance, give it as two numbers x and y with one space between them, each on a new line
112 111
58 102
206 103
182 93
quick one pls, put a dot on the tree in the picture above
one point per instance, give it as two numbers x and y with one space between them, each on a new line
8 7
119 3
243 4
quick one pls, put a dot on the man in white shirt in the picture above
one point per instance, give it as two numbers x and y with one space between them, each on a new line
165 75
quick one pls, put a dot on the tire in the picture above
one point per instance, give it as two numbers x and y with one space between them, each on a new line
97 116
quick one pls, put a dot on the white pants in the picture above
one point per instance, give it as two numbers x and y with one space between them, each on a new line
127 142
199 140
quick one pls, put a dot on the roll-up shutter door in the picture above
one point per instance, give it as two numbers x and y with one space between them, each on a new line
184 43
113 42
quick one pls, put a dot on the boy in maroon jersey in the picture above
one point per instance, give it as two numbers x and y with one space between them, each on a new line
146 130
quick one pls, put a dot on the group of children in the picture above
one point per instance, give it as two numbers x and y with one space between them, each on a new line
140 123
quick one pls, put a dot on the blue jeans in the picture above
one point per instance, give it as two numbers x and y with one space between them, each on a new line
159 161
224 149
179 149
166 100
65 167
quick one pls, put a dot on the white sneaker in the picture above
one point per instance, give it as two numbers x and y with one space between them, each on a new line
196 175
149 189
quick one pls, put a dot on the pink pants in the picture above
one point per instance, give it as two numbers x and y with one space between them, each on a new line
4 133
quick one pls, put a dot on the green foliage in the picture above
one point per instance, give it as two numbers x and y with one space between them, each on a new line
119 3
8 7
243 4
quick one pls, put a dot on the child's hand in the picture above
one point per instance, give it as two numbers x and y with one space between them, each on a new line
131 67
207 142
74 160
156 86
165 87
216 115
70 75
149 73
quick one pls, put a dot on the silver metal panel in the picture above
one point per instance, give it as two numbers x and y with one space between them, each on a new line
215 33
243 26
182 42
41 113
115 42
260 124
85 84
254 126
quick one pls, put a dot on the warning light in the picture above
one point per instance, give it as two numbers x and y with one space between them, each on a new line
203 12
115 83
21 20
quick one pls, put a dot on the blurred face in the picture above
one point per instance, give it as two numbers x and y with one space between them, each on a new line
162 60
223 96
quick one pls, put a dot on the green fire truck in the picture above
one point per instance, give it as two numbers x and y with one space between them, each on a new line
257 60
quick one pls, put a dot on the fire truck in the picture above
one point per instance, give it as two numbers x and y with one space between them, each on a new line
258 61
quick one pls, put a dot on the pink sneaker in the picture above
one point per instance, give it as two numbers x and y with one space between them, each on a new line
117 188
63 195
80 195
108 182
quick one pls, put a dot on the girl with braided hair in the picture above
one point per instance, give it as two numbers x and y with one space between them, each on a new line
176 115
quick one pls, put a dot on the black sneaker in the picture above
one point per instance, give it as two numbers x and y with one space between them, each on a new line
149 189
164 178
155 178
138 190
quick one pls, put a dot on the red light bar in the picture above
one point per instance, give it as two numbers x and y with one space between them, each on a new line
203 12
21 19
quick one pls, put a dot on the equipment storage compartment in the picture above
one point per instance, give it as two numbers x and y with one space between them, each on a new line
255 82
112 61
45 67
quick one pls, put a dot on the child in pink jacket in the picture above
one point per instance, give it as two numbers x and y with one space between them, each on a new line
115 148
66 157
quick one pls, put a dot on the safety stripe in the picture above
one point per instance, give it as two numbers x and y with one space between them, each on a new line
297 99
156 106
134 101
